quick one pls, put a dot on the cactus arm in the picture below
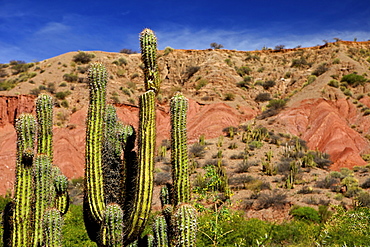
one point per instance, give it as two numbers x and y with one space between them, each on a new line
94 137
144 181
44 192
179 151
185 224
160 231
44 114
61 195
112 229
23 198
52 228
148 44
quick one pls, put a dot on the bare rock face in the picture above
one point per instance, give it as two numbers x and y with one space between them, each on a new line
69 142
328 127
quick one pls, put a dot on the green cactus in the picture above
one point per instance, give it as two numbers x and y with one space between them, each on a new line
185 222
179 150
107 176
160 231
44 193
112 229
148 44
180 223
44 114
35 191
52 224
22 218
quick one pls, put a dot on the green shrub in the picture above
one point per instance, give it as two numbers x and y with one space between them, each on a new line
354 79
268 84
321 69
243 70
167 50
305 213
229 97
299 62
201 83
121 61
83 57
262 97
70 77
333 83
62 95
74 231
276 104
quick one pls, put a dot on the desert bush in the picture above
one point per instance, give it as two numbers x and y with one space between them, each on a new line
276 104
262 97
275 199
333 83
327 183
243 70
363 199
354 79
191 70
229 97
197 150
19 66
82 69
216 46
242 167
268 84
238 156
346 228
305 213
299 62
74 231
70 77
121 61
201 83
167 50
127 51
62 95
82 57
321 69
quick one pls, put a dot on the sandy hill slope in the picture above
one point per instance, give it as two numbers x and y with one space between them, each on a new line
225 88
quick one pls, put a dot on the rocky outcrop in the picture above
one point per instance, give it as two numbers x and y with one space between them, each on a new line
329 126
69 142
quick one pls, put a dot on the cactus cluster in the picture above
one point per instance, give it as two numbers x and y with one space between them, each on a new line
118 192
177 224
40 195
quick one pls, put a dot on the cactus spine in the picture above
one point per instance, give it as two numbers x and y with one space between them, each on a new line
35 190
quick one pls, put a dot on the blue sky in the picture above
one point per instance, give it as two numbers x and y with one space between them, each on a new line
38 30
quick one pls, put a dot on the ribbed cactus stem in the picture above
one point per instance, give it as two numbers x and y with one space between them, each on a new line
165 196
94 141
52 228
23 197
61 197
148 44
179 150
44 113
185 225
160 232
112 228
44 193
141 205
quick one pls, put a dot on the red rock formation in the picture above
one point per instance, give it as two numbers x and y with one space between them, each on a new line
325 125
69 143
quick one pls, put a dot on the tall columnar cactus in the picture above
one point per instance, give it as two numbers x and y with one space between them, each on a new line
108 178
179 150
181 221
36 188
24 194
52 223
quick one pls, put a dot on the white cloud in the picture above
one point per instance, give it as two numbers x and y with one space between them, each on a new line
53 28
